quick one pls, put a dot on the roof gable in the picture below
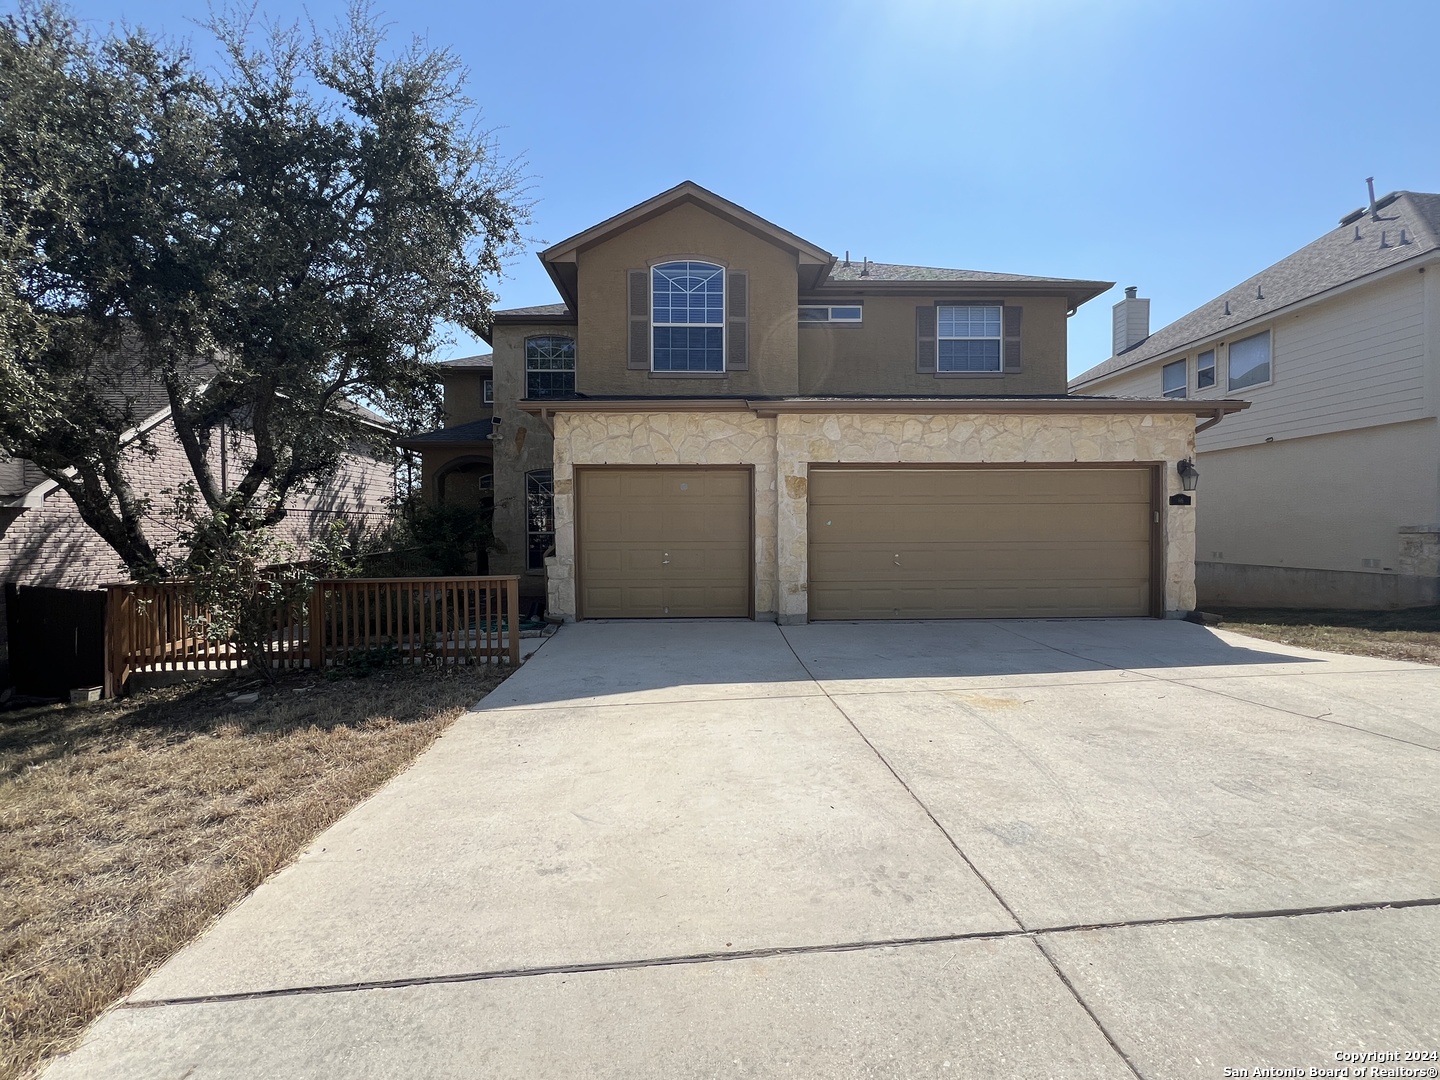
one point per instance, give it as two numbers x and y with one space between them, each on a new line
560 260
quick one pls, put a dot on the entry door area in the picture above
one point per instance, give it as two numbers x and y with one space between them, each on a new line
663 542
928 543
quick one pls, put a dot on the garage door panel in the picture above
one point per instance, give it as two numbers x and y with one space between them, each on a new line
664 542
994 543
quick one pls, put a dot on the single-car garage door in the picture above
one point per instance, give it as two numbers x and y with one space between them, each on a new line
669 541
918 543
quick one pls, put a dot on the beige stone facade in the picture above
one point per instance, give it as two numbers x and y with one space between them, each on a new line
781 447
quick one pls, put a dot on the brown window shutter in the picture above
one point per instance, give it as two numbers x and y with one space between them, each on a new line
925 339
1014 354
639 319
737 321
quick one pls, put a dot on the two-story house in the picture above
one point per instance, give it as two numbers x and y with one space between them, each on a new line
1327 492
723 419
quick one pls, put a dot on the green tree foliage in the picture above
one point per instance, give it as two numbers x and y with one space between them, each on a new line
256 247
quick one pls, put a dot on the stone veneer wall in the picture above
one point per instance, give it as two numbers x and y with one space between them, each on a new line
781 449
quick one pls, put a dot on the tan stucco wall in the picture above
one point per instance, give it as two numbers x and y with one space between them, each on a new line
525 445
782 448
1327 503
435 461
465 396
685 232
878 357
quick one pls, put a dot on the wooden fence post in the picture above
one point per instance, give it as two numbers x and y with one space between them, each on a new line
512 605
315 616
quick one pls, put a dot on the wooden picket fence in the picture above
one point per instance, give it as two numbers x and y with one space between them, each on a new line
459 620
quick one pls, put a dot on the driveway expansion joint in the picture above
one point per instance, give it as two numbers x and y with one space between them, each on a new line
761 954
901 781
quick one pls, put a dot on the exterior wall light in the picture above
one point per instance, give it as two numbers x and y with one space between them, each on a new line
1189 475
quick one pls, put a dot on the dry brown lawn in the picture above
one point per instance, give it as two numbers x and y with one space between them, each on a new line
1413 634
126 827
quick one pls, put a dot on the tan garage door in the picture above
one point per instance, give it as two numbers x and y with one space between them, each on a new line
979 543
663 542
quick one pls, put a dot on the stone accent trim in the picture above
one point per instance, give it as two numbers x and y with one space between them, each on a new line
781 446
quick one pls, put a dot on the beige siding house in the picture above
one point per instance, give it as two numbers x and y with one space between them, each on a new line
722 419
1327 491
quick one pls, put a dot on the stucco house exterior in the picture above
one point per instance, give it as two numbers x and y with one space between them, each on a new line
457 460
721 418
1327 492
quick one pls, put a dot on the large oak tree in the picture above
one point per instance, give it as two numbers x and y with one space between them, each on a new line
258 244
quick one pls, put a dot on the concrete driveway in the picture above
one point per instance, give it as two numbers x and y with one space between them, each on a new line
1048 849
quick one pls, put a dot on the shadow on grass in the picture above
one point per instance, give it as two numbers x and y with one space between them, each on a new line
294 702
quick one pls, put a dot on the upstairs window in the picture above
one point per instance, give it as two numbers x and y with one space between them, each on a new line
969 337
1205 369
811 314
489 391
1173 379
1250 361
688 316
549 367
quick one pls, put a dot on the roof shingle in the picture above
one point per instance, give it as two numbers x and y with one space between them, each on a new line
1363 246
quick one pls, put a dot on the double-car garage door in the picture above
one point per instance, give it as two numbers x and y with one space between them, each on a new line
885 542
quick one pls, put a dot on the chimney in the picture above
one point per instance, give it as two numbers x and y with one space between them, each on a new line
1132 321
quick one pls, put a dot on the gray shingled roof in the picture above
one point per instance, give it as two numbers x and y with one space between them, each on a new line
484 360
1347 253
859 270
475 431
536 309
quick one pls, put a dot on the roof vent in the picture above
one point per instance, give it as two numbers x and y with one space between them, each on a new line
1131 321
847 250
1259 292
1384 238
1404 238
1227 307
1370 186
865 270
1357 232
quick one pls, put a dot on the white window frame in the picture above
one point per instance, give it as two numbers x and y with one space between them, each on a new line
1183 390
999 338
542 371
488 393
1269 361
721 325
831 318
1213 369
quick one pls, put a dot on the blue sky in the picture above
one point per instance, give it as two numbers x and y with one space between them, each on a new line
1178 146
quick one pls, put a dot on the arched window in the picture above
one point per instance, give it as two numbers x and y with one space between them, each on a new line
688 316
549 367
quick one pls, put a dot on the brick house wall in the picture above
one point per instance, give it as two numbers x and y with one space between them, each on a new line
51 545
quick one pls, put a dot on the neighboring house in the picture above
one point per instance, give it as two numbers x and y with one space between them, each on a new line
44 541
1327 492
723 419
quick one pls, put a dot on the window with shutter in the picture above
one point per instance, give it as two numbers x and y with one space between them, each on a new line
639 354
925 338
688 301
1014 354
737 321
969 337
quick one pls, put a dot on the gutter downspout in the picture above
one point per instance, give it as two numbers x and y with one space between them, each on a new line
1215 419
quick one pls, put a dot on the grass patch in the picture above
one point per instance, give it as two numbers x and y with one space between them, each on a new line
1412 634
127 826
